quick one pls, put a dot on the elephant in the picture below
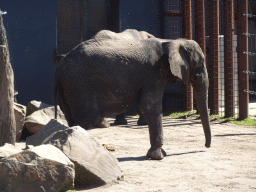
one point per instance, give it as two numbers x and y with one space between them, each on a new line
106 76
128 34
120 120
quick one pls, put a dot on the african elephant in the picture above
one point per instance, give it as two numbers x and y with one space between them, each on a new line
128 34
121 120
104 76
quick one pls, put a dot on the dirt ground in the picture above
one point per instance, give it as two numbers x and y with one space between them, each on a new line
229 165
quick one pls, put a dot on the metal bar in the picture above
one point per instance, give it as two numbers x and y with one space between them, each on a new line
214 57
250 92
249 72
173 14
229 58
249 53
115 15
188 34
247 14
243 61
249 34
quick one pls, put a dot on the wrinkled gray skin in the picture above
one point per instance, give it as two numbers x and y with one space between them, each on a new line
128 34
105 76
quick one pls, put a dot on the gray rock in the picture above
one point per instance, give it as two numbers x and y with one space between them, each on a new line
20 114
43 169
50 128
93 163
50 111
35 105
38 119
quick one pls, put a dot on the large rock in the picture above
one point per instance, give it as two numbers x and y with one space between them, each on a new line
93 163
50 128
8 150
35 105
38 119
43 169
20 114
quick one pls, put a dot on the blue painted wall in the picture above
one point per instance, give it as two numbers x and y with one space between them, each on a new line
143 15
31 31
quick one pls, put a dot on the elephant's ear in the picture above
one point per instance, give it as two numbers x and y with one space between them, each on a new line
179 63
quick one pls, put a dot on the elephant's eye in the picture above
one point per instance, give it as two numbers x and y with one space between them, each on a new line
198 72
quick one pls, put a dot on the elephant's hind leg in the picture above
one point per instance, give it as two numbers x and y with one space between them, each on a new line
86 116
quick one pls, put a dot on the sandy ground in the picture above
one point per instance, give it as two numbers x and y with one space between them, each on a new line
229 165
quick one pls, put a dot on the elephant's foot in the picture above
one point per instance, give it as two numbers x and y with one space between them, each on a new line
120 120
103 124
156 154
142 121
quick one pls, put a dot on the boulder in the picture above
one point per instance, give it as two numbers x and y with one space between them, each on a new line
50 128
93 163
9 149
42 168
20 114
38 119
50 111
35 105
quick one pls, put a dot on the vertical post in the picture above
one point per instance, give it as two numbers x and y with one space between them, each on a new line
214 57
200 24
81 20
7 118
188 34
115 15
229 58
242 45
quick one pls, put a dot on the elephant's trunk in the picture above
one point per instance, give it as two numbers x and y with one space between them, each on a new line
200 85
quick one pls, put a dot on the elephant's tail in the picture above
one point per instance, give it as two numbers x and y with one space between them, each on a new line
55 93
60 100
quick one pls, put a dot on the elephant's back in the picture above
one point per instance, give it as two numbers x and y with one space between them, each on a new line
100 63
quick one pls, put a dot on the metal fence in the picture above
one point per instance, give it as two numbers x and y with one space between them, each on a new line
216 26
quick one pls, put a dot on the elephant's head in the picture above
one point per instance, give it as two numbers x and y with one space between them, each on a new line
186 61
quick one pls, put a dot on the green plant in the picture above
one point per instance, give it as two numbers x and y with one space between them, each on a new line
185 113
246 122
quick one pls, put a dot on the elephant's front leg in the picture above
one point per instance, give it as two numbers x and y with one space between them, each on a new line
156 137
153 113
